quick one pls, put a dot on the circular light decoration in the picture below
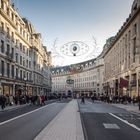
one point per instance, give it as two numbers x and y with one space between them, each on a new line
74 48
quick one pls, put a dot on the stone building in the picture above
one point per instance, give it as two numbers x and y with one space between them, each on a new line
122 58
80 78
23 59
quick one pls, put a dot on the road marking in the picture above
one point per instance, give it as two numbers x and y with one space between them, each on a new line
24 114
111 126
125 121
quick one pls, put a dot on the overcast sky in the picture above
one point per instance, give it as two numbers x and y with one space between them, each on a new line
70 20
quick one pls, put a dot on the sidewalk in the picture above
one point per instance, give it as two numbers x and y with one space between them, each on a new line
20 106
12 107
65 126
128 107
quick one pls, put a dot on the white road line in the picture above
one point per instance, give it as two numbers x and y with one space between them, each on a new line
125 121
24 114
111 126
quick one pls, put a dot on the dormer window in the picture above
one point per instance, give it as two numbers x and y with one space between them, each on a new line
8 11
135 7
2 4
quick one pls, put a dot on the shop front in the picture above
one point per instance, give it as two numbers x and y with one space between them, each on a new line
7 89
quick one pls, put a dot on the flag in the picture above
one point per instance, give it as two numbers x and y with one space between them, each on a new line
123 83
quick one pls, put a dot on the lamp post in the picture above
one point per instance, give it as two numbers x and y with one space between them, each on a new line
138 94
0 88
25 79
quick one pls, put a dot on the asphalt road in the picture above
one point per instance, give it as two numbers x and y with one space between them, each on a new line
31 121
102 121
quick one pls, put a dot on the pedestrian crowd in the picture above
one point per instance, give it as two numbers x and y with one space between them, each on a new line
9 100
119 99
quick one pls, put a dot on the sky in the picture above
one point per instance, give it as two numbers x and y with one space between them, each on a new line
75 20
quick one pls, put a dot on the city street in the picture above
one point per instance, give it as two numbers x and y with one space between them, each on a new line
25 123
102 121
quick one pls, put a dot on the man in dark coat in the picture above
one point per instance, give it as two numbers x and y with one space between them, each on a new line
2 101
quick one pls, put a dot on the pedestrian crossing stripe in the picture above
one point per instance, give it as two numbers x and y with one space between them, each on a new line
111 126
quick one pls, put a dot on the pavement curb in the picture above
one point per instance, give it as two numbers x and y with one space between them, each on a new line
82 122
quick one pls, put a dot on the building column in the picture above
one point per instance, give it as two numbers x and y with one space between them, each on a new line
137 86
130 79
13 92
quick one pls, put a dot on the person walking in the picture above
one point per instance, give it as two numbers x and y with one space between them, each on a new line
2 101
83 99
92 98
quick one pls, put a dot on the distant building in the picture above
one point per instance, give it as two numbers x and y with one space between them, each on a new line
87 78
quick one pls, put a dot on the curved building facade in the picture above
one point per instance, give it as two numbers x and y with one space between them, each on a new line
85 77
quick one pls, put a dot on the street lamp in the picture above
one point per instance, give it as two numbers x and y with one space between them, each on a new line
0 88
138 94
25 79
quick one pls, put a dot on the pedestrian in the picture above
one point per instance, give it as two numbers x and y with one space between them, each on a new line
2 101
92 98
83 99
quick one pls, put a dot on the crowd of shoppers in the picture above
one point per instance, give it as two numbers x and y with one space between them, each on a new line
9 100
119 99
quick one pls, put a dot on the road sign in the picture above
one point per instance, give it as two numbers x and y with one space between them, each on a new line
70 81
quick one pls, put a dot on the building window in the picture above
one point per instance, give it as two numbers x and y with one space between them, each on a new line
20 74
24 75
21 30
2 27
2 46
8 32
27 51
8 11
20 47
12 17
20 60
30 53
2 4
8 50
12 35
24 62
8 70
16 57
27 76
12 71
16 72
134 49
30 76
12 53
23 49
29 64
2 68
135 29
